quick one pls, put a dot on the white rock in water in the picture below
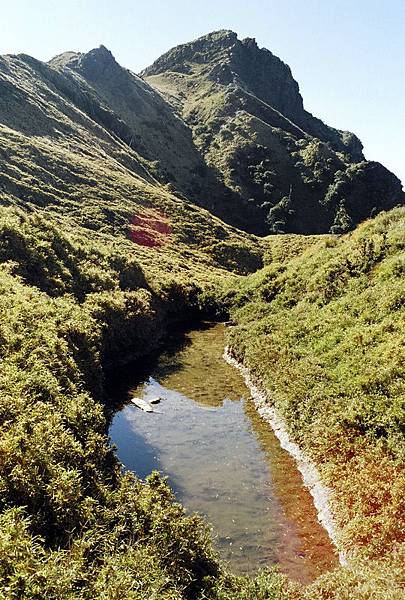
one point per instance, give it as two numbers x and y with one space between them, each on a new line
142 404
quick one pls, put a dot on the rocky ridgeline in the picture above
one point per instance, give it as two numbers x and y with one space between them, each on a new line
219 121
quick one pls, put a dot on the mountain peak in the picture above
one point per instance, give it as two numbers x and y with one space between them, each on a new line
94 64
103 49
228 60
219 34
208 48
65 59
250 42
98 62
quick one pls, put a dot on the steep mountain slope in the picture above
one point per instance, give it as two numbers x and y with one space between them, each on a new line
137 131
250 153
137 115
249 121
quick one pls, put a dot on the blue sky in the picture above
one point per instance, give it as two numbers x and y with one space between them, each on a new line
347 55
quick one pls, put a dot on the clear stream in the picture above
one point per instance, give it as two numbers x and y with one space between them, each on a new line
221 458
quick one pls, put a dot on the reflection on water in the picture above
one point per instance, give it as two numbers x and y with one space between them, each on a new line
222 460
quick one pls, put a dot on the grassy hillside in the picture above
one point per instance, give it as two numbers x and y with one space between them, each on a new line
324 332
86 111
97 260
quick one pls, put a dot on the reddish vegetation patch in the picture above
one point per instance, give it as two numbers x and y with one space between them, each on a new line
150 229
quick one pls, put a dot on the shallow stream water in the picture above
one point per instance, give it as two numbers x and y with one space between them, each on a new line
221 458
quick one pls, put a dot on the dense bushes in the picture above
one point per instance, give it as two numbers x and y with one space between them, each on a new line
45 256
237 258
70 521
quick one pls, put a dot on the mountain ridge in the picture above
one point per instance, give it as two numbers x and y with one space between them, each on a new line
243 62
219 121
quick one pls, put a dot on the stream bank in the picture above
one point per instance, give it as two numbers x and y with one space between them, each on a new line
320 493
